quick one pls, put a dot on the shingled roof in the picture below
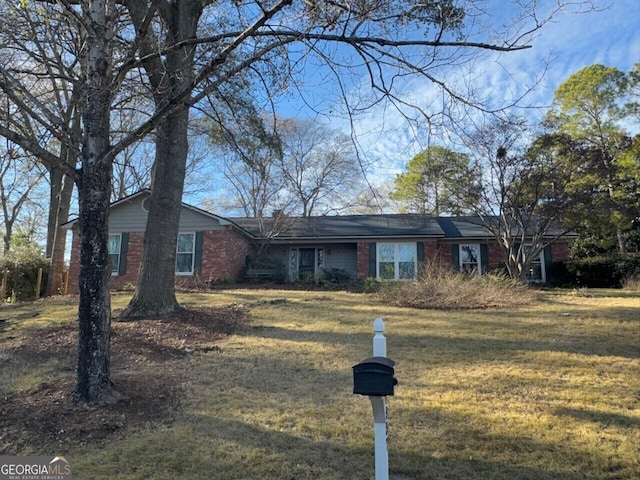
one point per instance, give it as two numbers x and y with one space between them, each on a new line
389 226
347 226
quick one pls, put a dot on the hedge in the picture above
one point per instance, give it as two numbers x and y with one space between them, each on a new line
596 272
23 265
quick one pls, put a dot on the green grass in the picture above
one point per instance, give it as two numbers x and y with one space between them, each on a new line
547 391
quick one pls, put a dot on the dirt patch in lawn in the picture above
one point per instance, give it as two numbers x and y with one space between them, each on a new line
147 368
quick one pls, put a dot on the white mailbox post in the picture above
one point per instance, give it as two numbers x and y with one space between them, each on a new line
374 377
379 405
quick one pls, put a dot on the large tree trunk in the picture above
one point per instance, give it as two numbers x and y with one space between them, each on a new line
93 385
155 289
61 190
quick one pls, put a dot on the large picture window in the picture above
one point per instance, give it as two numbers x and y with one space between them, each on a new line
185 253
115 243
396 261
470 259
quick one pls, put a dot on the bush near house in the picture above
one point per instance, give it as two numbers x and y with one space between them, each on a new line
23 264
439 287
277 270
597 272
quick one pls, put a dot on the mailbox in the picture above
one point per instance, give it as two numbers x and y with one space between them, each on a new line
374 377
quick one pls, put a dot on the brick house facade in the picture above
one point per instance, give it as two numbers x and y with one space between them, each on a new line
213 249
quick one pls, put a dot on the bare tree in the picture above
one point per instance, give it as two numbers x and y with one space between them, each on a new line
319 165
37 75
526 196
19 175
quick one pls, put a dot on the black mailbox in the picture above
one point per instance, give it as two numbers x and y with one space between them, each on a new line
374 376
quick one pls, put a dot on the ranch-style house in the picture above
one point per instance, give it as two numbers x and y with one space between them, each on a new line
213 249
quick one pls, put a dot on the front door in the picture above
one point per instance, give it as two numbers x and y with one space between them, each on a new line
306 266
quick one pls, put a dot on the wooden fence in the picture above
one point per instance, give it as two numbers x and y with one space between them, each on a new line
5 281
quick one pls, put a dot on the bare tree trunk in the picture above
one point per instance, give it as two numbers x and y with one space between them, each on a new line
55 187
6 238
93 385
622 242
60 202
155 290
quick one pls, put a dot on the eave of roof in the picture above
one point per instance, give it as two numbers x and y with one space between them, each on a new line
342 227
349 227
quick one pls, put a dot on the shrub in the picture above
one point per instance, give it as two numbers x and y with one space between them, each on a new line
23 264
598 272
371 285
632 283
271 263
439 287
336 276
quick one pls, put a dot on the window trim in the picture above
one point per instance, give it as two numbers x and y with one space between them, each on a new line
396 261
478 266
192 253
541 261
115 266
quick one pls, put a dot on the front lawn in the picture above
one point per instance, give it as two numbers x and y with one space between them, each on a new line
547 391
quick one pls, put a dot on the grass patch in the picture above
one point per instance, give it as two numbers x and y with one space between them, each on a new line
547 391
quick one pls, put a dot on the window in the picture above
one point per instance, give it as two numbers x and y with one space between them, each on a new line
185 253
470 259
536 273
396 261
115 241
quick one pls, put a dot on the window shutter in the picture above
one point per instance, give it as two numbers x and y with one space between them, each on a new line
548 262
455 256
484 258
420 252
124 243
372 259
197 260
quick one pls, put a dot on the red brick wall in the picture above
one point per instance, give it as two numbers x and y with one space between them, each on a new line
495 256
560 251
362 260
223 257
443 251
224 254
134 258
431 251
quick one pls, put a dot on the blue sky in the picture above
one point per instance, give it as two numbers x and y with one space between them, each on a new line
572 41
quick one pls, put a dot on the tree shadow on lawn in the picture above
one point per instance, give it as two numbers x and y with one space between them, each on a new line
36 411
460 447
603 418
464 348
331 459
